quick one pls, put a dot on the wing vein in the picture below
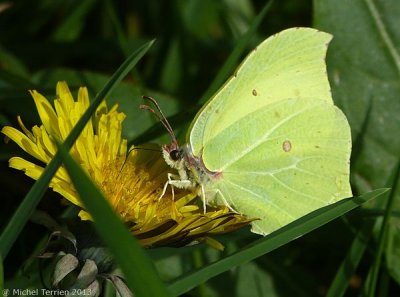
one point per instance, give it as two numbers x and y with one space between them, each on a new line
295 191
263 138
259 196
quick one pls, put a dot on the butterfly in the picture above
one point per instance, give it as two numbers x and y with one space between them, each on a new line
270 144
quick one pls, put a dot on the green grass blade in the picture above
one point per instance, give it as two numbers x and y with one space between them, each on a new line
350 262
26 208
138 270
271 242
117 26
232 61
121 37
372 278
1 276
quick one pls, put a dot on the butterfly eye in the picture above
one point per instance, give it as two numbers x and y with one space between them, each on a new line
175 155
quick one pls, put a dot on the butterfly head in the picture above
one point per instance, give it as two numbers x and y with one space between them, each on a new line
174 155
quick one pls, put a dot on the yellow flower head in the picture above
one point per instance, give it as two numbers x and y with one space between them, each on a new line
132 181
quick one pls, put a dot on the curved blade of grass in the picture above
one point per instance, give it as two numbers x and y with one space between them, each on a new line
121 36
372 278
138 270
33 197
273 241
117 26
1 277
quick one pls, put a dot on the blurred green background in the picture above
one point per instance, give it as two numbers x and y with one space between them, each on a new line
84 42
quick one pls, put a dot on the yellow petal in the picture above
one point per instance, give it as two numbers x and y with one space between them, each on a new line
25 130
64 126
83 97
48 144
46 113
32 170
23 141
65 96
61 113
85 216
66 191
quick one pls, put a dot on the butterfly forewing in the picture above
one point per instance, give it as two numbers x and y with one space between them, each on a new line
290 64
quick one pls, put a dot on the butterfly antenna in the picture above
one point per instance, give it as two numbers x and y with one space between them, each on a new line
131 150
160 115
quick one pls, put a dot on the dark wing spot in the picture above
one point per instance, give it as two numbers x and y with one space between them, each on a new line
254 92
286 146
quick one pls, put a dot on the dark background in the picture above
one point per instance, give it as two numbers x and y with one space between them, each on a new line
84 42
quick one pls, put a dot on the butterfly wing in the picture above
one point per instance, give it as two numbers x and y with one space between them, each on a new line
290 64
283 161
272 130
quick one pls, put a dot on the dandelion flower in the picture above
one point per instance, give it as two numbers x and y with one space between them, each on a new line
131 180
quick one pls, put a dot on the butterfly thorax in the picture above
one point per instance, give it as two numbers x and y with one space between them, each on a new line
190 167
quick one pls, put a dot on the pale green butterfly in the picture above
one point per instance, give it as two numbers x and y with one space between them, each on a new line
270 144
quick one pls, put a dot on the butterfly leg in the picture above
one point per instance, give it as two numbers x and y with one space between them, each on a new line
181 184
175 181
163 191
169 182
224 201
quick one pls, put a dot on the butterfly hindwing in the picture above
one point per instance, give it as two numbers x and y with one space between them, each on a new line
292 160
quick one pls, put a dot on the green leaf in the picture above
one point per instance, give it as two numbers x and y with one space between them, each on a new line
364 69
273 241
138 270
1 276
26 208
